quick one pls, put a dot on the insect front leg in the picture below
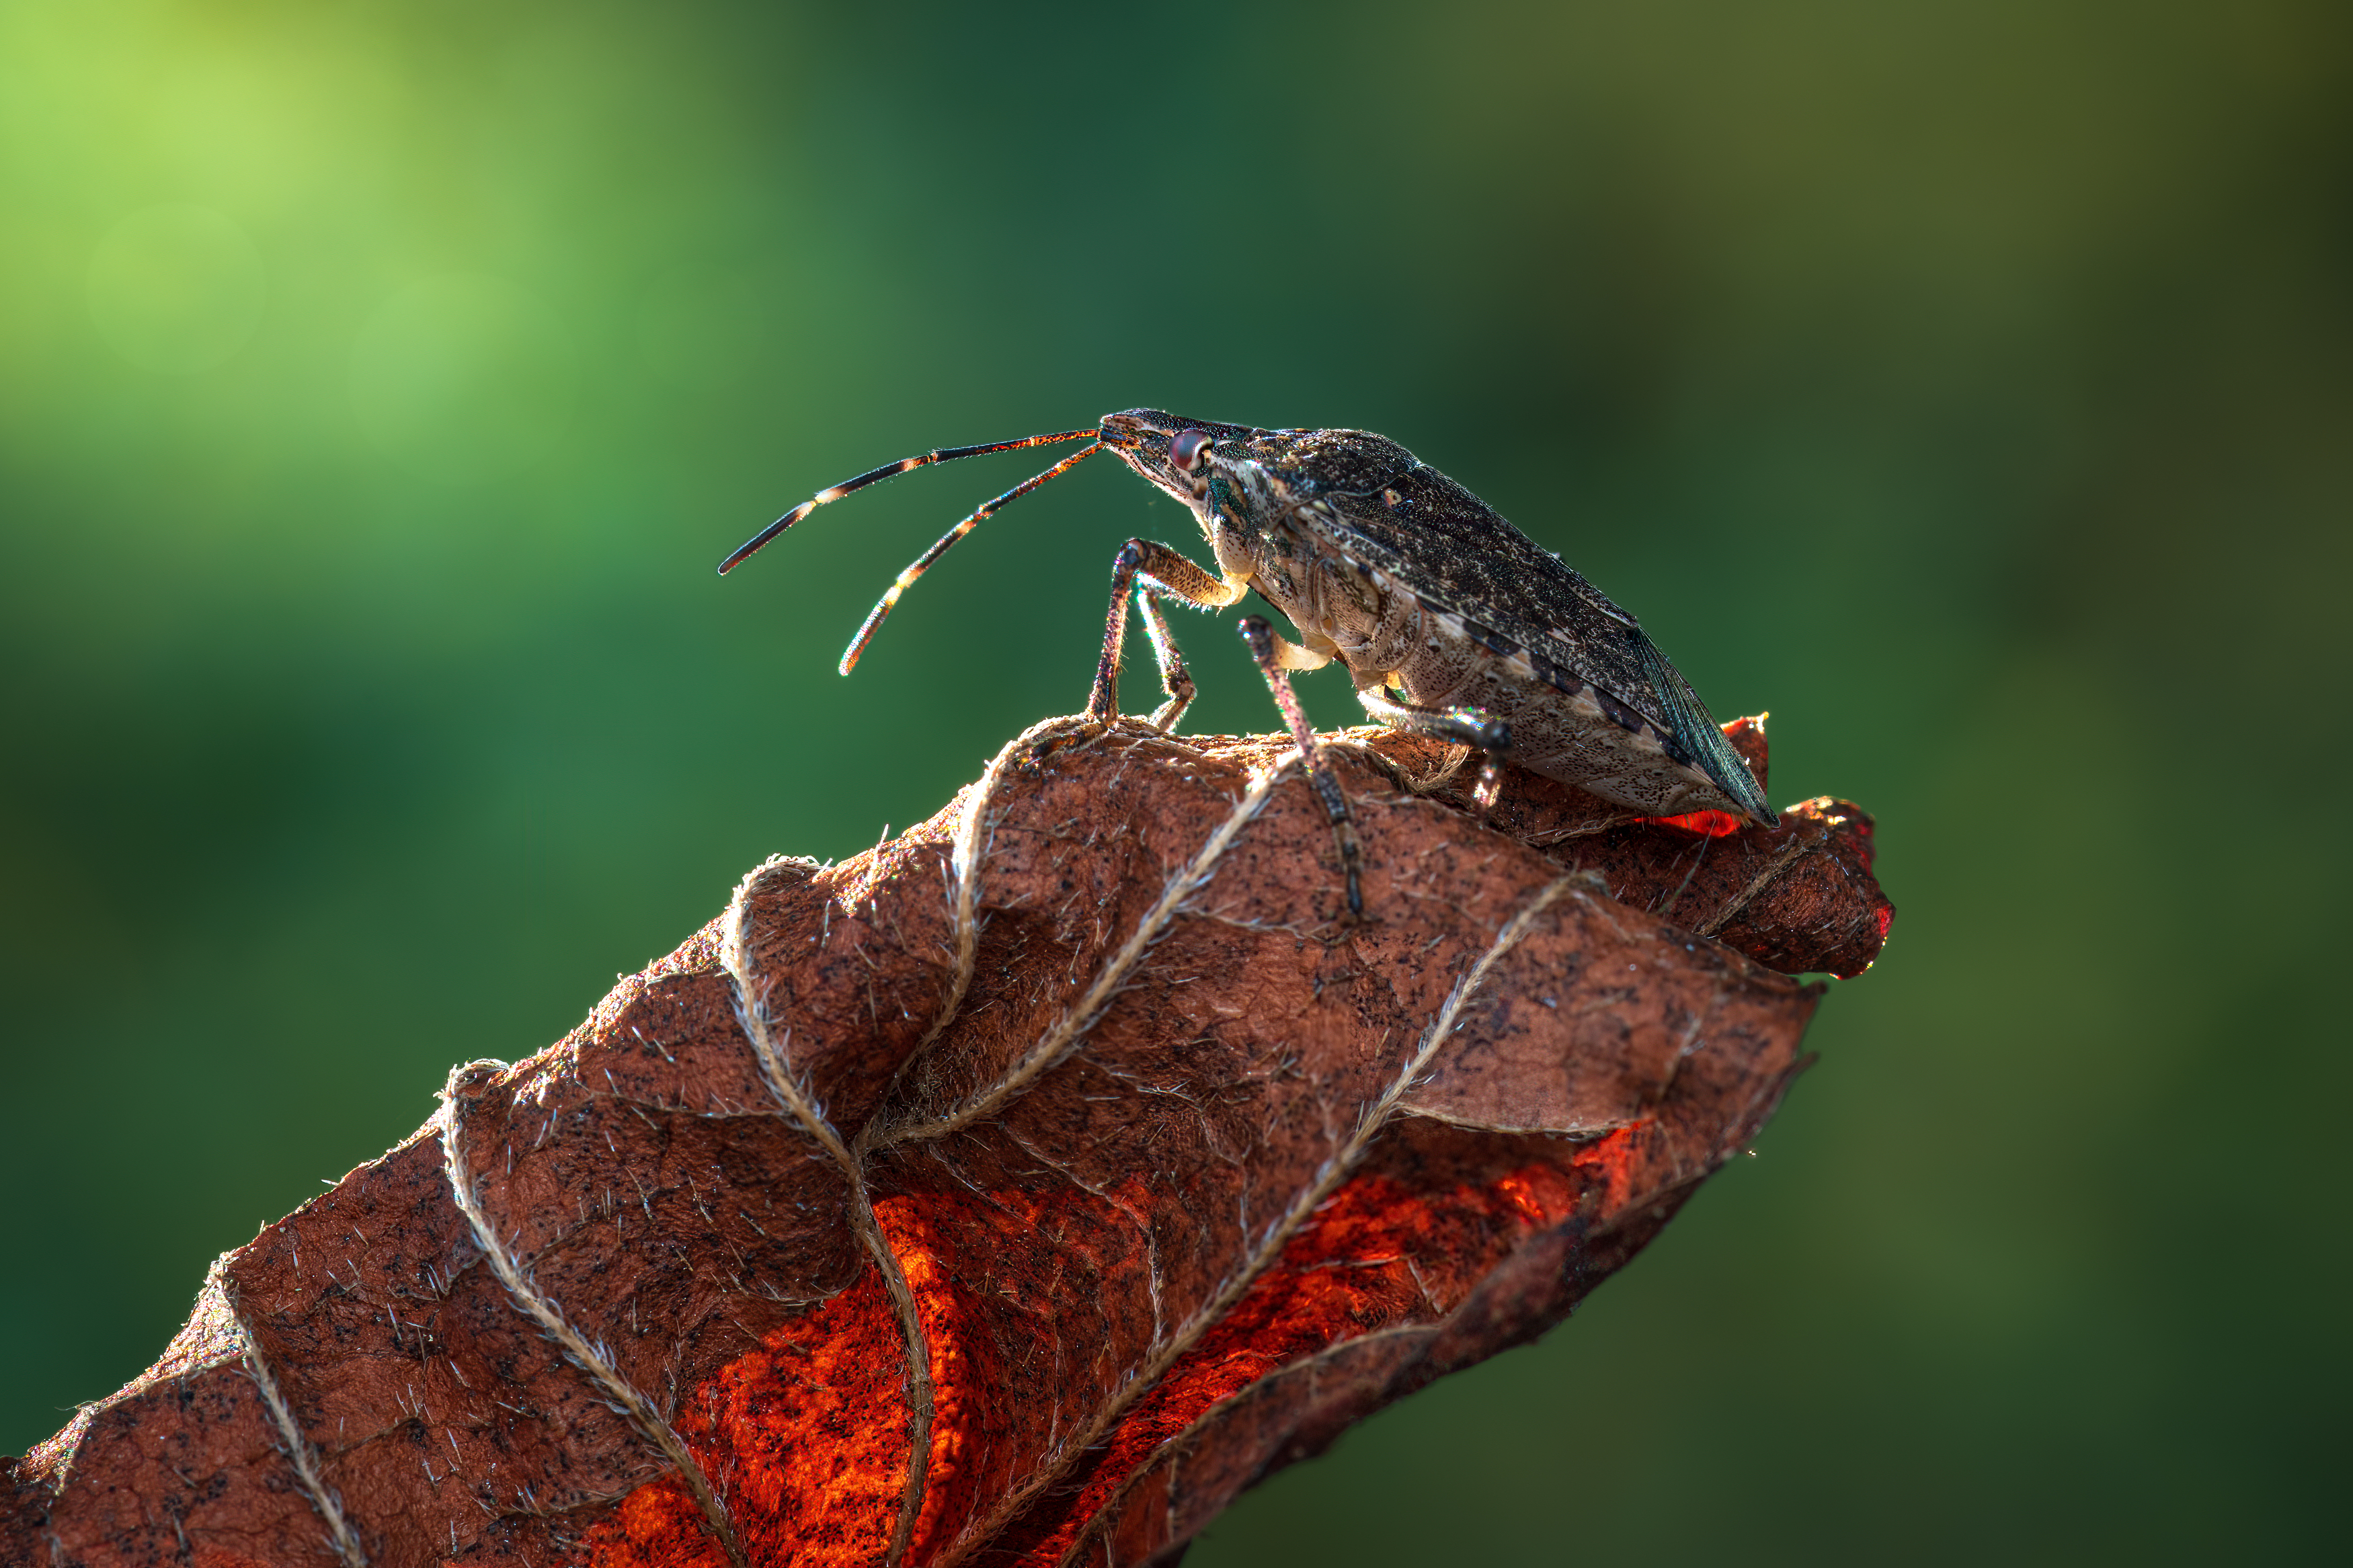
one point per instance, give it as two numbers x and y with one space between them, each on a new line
1150 572
1489 736
1276 659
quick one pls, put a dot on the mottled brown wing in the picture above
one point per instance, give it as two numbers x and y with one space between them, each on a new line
1464 559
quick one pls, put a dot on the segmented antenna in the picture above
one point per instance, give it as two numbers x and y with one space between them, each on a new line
904 465
923 562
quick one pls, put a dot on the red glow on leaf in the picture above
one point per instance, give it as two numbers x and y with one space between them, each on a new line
1707 824
806 1436
1377 1255
1866 833
1136 1278
658 1523
810 1429
1613 1159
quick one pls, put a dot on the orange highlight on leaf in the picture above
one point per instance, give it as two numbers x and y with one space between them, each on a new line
1086 1090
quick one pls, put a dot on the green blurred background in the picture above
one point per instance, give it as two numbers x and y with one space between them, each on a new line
1966 382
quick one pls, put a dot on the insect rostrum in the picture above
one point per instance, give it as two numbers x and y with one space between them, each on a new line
1450 620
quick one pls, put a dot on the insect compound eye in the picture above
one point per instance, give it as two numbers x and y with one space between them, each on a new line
1185 449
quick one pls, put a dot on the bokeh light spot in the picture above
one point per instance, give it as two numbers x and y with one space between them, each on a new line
176 288
463 377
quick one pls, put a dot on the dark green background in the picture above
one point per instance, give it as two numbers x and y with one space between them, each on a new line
1966 383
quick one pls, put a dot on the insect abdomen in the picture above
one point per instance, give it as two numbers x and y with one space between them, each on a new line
1562 726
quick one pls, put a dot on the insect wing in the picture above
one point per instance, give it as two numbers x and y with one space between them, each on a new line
1696 728
1460 558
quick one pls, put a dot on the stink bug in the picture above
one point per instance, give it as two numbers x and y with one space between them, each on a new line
1452 622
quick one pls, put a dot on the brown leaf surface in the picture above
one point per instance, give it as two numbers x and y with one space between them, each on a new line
1015 1193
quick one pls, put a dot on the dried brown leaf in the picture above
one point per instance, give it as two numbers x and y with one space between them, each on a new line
1016 1192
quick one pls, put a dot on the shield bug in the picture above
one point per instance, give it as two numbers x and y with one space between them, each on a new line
1451 621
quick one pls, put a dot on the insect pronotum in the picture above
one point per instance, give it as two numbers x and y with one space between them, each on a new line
1451 621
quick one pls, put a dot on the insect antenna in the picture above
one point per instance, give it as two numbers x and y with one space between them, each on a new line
904 465
923 562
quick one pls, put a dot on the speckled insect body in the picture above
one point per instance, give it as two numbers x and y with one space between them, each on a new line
1450 620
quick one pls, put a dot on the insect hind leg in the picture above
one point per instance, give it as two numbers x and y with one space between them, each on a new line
1269 650
1149 573
1488 737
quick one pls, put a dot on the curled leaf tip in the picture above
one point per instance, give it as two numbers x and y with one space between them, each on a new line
1015 1193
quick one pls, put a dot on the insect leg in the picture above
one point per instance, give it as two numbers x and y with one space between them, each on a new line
1174 679
1468 727
1269 652
1153 571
